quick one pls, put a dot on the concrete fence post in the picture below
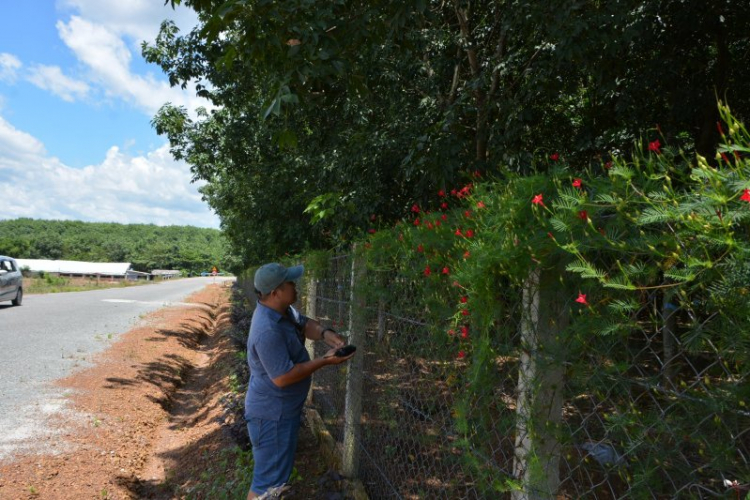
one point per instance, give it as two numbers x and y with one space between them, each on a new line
536 461
354 371
311 311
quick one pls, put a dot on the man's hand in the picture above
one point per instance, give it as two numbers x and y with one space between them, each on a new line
332 359
334 340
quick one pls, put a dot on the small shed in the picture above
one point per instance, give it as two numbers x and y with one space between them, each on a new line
166 274
131 275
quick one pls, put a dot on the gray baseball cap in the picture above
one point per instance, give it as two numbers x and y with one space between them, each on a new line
269 276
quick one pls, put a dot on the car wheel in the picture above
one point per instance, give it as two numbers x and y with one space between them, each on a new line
19 297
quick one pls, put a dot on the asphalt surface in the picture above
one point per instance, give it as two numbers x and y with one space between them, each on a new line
51 335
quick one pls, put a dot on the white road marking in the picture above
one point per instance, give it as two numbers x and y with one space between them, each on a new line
164 304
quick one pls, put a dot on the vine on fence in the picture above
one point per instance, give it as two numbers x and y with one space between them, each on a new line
638 236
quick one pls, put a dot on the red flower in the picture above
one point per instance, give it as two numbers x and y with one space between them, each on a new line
443 205
464 300
550 235
465 191
437 223
446 270
420 248
371 231
467 214
582 299
469 233
608 165
451 332
427 271
583 215
415 208
655 146
481 204
465 312
718 127
441 193
444 217
453 192
745 195
429 225
538 200
461 355
477 174
416 221
458 232
464 331
554 156
577 183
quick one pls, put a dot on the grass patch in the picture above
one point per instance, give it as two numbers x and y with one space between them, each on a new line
227 478
57 284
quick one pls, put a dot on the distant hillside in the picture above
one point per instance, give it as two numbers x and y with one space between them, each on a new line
146 246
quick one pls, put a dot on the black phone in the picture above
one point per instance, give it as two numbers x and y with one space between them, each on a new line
343 352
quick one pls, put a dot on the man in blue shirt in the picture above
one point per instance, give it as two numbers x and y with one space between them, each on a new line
280 370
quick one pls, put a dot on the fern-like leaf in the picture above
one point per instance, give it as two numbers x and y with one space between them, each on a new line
586 270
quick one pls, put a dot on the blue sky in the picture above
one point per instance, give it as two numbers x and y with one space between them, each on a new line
76 101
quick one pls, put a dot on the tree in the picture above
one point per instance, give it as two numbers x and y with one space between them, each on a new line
358 109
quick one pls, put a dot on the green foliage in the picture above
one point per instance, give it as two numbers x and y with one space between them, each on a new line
377 105
637 238
228 476
147 247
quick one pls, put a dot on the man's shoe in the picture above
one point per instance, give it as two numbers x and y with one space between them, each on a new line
275 492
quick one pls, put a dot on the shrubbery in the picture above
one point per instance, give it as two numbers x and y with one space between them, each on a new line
648 256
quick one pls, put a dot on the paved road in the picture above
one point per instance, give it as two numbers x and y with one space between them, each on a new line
50 335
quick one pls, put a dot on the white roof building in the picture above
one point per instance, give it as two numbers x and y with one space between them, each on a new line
75 267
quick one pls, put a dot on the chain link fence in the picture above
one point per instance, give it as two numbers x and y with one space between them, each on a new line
653 413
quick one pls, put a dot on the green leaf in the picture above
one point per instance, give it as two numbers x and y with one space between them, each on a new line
654 215
273 108
558 225
286 139
586 270
680 275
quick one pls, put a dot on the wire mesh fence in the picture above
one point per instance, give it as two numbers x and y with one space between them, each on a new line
653 413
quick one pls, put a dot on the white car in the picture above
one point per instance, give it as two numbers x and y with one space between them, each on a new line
11 281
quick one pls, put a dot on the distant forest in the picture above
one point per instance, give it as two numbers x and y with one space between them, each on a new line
145 246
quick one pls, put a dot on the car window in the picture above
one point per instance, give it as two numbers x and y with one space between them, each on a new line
5 264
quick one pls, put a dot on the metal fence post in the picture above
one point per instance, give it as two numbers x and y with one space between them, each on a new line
354 372
381 320
311 311
536 462
669 339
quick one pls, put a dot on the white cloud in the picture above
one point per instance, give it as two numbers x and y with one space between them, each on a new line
52 78
151 188
137 19
108 60
9 66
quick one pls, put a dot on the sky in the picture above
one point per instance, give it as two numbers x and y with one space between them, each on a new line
76 102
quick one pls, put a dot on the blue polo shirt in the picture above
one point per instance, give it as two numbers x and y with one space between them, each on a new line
274 346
